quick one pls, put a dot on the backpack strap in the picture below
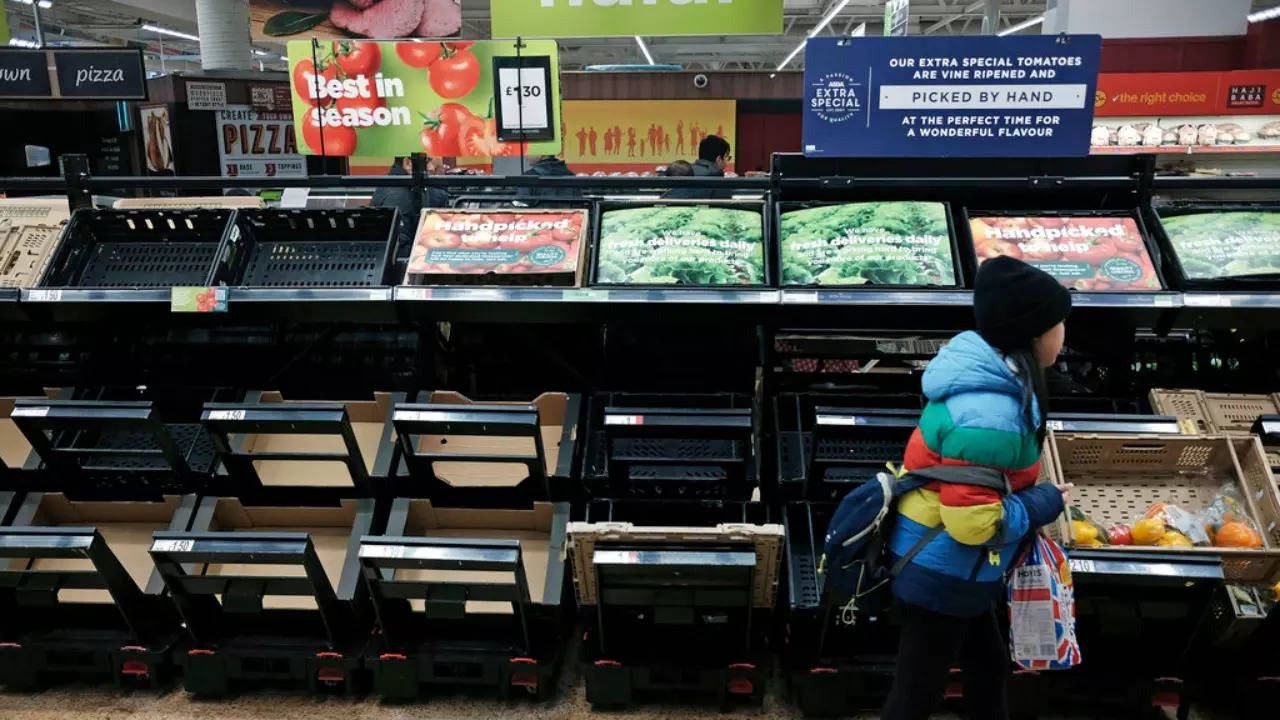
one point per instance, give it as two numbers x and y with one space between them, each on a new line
924 540
984 477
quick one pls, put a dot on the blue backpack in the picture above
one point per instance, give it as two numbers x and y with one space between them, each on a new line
854 565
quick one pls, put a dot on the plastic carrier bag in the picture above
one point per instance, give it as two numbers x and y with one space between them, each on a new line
1042 609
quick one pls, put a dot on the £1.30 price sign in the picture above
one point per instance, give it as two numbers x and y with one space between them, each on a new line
523 108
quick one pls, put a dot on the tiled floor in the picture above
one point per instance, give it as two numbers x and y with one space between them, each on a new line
84 703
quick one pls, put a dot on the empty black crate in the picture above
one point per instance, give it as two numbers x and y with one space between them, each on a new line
310 248
696 446
137 248
829 443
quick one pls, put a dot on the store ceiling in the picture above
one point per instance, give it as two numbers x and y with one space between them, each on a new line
118 21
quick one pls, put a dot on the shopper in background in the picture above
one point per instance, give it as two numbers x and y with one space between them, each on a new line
713 158
549 166
409 204
987 405
677 168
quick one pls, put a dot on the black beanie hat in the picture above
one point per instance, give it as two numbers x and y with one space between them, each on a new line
1014 302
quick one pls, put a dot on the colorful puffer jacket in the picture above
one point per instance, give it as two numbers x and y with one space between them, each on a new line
976 415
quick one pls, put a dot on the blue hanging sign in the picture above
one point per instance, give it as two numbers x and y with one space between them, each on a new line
958 96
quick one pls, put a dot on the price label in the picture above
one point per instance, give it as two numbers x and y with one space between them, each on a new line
624 420
173 545
413 293
198 299
837 419
523 89
1082 565
38 411
524 98
1054 425
226 414
44 295
585 294
421 416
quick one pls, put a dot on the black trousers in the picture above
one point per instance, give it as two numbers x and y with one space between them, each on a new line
929 647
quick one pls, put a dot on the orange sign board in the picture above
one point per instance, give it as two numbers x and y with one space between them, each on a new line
641 135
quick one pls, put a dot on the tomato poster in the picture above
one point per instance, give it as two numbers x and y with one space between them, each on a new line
366 97
1212 245
1083 253
681 245
479 242
869 243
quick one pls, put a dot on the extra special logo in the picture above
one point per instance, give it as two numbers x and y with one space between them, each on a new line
834 97
1246 95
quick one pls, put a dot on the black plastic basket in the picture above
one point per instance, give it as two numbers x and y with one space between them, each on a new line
310 248
827 444
673 446
138 249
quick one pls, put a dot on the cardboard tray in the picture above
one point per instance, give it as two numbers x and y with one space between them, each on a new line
1117 477
334 531
15 451
29 231
767 539
228 202
126 526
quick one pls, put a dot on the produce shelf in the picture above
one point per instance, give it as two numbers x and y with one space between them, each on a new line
468 597
85 601
675 602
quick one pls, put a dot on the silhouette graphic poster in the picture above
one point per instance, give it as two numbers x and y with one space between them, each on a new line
641 135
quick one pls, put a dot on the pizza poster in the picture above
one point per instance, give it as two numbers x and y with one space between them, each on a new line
1213 245
477 242
868 243
1083 253
681 245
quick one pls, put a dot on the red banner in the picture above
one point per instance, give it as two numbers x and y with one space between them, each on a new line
1237 92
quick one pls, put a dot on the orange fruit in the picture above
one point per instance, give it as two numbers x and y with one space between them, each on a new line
1236 534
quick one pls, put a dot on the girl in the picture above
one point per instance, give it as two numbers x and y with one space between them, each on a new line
986 393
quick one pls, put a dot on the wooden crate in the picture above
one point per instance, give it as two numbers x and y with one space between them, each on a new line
766 538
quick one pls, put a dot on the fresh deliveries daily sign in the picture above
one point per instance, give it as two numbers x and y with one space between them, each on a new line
623 18
950 96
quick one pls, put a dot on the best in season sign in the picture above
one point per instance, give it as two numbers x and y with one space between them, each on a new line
1083 253
366 97
1230 244
1025 96
624 18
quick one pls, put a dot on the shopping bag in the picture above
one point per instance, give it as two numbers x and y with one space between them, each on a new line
1042 609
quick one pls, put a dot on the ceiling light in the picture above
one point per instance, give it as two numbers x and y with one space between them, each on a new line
648 58
1269 13
20 42
166 31
822 24
1021 26
44 4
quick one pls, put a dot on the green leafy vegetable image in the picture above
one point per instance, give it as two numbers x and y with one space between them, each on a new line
1226 244
871 243
681 245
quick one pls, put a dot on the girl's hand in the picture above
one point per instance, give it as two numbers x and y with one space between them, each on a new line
1065 489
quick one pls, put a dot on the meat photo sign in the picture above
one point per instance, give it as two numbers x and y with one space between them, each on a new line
387 98
273 20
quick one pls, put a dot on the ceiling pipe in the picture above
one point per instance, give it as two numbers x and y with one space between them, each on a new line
223 27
